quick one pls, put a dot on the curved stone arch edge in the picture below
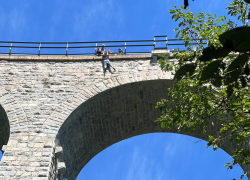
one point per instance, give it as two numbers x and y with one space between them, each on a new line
62 112
13 108
15 114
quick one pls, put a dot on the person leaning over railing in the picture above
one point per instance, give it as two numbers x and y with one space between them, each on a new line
101 50
120 51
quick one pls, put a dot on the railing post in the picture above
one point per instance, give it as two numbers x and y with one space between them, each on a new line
167 42
10 48
40 49
154 42
125 48
96 48
67 48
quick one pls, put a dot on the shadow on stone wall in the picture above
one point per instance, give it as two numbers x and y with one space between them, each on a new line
112 116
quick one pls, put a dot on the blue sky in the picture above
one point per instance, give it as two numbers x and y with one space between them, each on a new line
159 156
146 157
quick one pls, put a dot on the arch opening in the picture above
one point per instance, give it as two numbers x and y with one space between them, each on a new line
4 128
159 156
111 116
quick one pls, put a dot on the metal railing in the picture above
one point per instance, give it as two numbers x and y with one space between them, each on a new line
85 48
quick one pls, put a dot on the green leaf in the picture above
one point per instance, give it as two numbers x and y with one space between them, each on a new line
210 53
243 82
187 69
211 70
247 70
237 39
172 11
247 1
232 76
163 125
239 62
216 81
229 90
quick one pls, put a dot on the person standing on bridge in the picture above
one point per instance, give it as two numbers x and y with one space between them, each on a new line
106 61
120 51
100 50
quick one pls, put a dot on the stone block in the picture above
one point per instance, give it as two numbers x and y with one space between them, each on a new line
49 144
40 178
22 145
43 174
160 52
58 151
61 167
4 148
38 145
35 164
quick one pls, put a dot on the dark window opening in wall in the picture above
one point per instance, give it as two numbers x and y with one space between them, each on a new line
159 156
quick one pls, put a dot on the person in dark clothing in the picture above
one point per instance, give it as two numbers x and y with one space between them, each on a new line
120 51
100 50
106 61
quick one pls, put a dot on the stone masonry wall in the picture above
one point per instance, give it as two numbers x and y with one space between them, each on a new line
32 88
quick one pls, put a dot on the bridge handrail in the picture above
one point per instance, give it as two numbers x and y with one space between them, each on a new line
18 48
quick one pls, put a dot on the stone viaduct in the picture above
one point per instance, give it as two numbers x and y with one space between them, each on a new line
57 113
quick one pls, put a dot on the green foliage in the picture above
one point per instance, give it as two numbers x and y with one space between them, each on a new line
212 78
237 39
240 9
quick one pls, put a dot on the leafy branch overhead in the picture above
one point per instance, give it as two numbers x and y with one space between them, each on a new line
212 77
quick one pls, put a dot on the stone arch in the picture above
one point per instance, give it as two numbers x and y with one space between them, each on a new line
61 113
113 115
11 116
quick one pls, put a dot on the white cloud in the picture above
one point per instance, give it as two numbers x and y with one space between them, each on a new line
138 169
172 144
143 167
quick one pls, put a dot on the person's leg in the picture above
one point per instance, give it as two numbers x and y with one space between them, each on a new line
105 65
112 67
109 63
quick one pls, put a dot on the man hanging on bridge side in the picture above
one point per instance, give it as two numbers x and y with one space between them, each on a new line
106 61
